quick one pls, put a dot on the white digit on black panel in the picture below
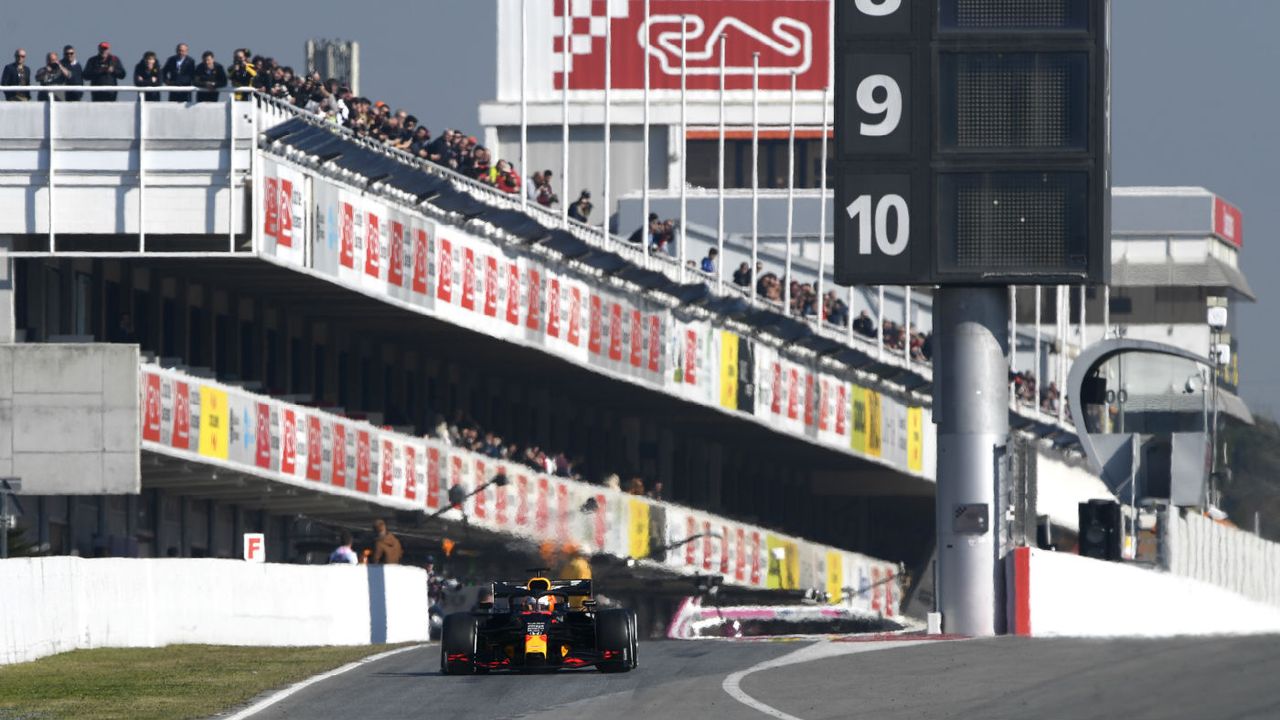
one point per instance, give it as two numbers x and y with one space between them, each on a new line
878 8
890 107
860 210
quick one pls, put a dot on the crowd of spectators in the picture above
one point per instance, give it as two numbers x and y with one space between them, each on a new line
1024 389
463 432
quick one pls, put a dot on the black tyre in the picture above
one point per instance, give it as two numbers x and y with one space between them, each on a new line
458 641
615 631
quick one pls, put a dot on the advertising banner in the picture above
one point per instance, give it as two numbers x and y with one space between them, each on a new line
283 231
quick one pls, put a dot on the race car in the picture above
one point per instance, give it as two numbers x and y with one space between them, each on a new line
540 624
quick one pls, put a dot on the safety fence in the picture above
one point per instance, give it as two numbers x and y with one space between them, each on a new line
1198 547
56 604
204 421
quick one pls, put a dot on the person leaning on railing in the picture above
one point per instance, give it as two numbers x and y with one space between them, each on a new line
210 77
104 70
75 73
147 72
242 71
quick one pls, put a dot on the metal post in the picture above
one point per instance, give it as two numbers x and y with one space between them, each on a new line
848 321
608 126
142 171
231 173
1013 328
906 323
684 144
822 214
1037 376
1106 311
971 408
644 187
255 173
53 129
720 259
565 59
524 105
1064 320
880 324
791 197
755 171
1084 328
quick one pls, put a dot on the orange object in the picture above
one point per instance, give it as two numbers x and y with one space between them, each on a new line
447 545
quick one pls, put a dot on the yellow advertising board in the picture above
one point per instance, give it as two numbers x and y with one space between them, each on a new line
915 439
858 433
638 540
784 563
728 370
215 423
875 423
835 577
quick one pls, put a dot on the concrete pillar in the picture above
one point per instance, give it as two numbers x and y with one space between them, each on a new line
8 294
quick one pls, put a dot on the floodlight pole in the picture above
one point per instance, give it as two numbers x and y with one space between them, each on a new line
971 409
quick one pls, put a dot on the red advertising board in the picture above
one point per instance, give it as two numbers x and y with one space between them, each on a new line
262 456
372 245
1228 223
420 262
444 271
395 268
347 237
315 453
151 409
289 444
181 416
270 206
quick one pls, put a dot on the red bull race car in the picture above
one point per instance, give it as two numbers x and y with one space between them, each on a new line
538 625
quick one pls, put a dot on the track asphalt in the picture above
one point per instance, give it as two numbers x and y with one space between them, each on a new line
1191 678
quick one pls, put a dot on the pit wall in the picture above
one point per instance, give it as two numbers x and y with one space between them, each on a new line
55 604
1196 547
1063 595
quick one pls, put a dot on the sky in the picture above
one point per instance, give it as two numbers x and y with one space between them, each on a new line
1195 101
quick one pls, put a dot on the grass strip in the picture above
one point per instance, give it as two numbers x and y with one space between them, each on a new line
179 681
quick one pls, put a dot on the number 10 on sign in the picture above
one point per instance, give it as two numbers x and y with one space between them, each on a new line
887 241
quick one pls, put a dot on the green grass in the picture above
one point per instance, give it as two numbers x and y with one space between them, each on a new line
179 681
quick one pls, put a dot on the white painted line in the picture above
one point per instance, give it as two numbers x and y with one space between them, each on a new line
276 697
733 682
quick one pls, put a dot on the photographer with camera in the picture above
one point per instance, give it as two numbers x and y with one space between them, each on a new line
242 71
51 74
209 76
104 70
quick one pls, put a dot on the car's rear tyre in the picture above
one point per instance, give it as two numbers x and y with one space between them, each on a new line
615 632
458 640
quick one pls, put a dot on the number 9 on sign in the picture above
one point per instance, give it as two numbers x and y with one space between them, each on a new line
890 107
862 211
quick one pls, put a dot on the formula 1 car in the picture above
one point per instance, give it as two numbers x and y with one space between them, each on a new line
541 624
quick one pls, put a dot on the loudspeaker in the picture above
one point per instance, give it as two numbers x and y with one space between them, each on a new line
1101 532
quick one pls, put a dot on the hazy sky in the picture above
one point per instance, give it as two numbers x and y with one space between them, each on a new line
1195 96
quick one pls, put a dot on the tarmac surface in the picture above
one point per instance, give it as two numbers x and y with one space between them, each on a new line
1192 678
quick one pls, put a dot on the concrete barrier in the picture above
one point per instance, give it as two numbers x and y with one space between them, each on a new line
1197 547
56 604
1064 595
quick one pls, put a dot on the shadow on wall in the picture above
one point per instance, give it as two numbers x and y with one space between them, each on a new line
377 603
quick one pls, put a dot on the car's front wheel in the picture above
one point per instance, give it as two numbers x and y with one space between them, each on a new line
615 634
458 644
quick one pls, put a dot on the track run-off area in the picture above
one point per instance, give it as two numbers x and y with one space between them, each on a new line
807 679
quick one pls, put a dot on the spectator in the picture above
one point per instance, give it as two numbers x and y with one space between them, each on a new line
51 74
242 71
17 73
343 554
635 486
546 196
210 77
75 73
637 236
147 72
709 262
103 70
581 209
655 492
179 71
386 547
835 310
864 325
508 180
612 481
742 276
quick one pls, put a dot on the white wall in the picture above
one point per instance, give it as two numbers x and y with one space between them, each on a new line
56 604
1061 594
1197 547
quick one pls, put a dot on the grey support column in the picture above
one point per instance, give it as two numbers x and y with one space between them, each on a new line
8 293
971 409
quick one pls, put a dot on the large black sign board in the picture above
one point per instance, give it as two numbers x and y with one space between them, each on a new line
972 142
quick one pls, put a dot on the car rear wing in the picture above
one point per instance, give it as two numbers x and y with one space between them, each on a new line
565 588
